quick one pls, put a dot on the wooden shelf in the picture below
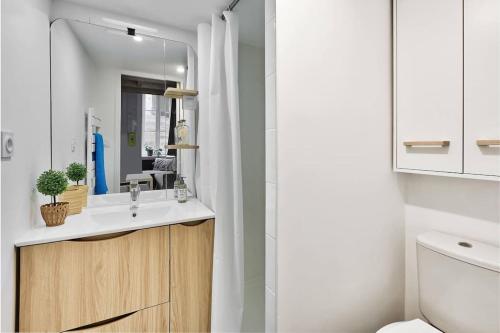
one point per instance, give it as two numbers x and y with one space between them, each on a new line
183 146
179 93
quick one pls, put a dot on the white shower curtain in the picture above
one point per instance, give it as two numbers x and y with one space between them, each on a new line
218 180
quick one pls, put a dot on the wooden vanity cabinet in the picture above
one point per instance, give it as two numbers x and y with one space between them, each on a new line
191 281
119 283
69 284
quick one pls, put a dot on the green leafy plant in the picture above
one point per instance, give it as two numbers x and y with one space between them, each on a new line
76 172
148 147
52 183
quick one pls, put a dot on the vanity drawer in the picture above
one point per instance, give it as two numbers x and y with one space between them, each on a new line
153 319
70 284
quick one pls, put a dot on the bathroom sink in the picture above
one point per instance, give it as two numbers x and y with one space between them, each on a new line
123 214
114 199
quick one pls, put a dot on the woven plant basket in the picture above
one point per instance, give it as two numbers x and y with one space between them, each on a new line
73 196
84 191
54 215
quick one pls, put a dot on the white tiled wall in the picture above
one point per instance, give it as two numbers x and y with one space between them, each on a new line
270 166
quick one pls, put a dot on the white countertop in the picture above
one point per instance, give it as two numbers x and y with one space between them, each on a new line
118 218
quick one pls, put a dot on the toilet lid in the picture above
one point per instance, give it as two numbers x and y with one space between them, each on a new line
413 326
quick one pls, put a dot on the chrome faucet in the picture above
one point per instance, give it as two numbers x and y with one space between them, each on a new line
135 191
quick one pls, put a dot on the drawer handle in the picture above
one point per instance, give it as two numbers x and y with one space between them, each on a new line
439 144
488 143
103 237
102 322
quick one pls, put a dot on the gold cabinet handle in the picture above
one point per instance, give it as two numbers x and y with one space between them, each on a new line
443 143
488 143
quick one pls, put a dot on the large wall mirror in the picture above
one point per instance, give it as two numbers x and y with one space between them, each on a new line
107 89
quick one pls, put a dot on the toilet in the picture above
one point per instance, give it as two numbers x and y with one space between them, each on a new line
459 287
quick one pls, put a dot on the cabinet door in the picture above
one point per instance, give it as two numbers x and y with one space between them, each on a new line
191 288
153 319
482 88
70 284
429 84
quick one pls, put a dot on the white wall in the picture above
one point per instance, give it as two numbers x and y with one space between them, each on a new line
340 246
252 116
68 10
25 110
462 207
73 84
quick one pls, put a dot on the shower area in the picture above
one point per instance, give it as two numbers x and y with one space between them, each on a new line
231 124
252 103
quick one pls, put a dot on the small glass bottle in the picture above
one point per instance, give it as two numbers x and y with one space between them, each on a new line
181 133
182 192
176 185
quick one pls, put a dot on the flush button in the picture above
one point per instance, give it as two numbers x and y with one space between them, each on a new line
465 244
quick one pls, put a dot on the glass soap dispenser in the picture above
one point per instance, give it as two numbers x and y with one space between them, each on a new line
181 132
182 191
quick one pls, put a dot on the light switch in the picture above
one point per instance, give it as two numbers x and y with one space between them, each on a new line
7 144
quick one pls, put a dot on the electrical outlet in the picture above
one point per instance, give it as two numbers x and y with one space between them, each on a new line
7 144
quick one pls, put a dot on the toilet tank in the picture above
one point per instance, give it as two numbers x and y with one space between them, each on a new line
459 283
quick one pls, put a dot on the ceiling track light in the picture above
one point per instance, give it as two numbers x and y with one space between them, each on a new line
131 32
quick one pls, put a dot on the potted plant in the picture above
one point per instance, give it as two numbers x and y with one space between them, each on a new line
77 172
53 183
149 150
159 151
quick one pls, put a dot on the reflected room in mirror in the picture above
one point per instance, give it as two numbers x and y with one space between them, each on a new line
108 106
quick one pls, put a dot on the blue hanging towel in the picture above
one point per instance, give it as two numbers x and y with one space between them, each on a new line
100 174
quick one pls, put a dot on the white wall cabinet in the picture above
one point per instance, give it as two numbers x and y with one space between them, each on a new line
446 87
481 86
429 84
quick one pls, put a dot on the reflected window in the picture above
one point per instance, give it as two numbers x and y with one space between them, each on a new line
155 123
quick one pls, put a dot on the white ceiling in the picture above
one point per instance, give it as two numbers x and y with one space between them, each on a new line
186 14
113 48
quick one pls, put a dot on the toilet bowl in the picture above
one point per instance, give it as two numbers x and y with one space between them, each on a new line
459 305
413 326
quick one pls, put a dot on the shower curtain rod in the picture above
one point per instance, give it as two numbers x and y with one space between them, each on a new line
230 7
